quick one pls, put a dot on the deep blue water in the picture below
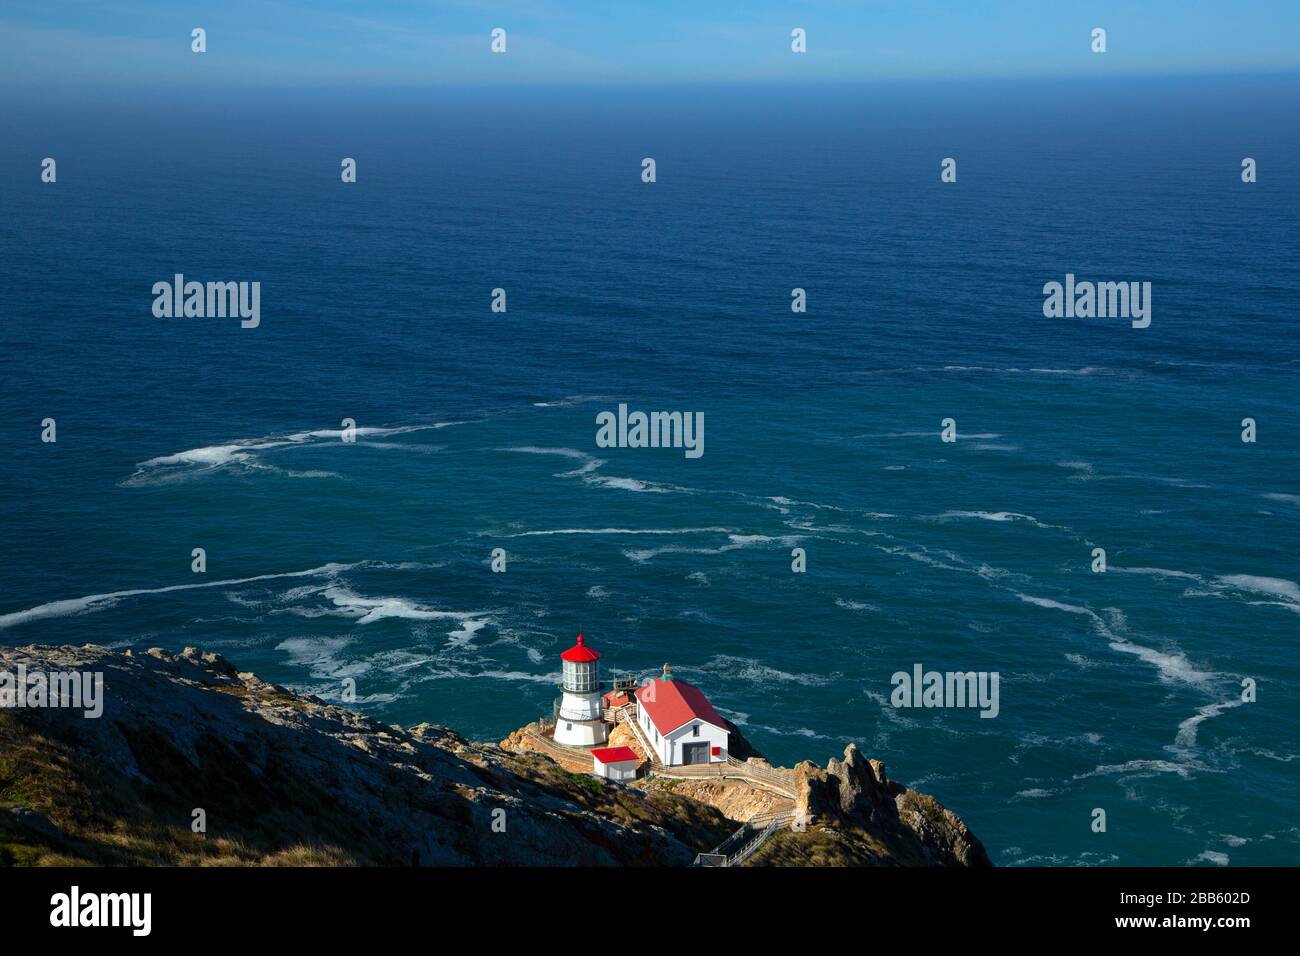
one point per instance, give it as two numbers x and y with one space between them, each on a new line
1118 690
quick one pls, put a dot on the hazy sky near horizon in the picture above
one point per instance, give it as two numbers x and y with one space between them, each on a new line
296 43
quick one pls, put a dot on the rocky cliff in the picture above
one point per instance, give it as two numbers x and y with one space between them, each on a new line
193 762
282 778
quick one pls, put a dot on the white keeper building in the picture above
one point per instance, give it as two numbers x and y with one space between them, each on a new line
679 722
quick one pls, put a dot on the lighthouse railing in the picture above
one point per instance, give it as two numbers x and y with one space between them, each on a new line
559 713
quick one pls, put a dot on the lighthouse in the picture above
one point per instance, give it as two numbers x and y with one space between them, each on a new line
579 721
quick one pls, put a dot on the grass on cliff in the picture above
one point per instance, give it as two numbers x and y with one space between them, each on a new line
823 845
106 821
840 843
696 824
276 818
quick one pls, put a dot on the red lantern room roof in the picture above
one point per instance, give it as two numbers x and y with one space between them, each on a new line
580 653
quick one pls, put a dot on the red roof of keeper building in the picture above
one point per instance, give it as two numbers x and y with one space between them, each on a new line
674 703
614 754
580 653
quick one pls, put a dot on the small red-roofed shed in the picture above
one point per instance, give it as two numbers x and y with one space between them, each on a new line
614 763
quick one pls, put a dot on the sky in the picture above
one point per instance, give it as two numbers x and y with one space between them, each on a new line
296 44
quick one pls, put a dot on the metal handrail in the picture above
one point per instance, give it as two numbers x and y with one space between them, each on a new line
784 785
721 855
625 715
748 850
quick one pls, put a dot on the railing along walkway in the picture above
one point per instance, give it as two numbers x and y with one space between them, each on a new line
779 782
742 844
578 760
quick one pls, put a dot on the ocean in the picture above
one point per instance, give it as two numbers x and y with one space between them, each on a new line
476 430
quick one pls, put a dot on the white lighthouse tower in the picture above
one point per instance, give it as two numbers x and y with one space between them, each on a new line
578 718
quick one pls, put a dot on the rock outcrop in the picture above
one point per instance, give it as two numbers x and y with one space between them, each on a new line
854 814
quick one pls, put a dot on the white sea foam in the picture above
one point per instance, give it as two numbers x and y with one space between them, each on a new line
1141 768
891 713
100 602
854 605
1279 496
789 731
569 401
323 659
540 450
586 468
1172 666
518 676
243 452
367 610
618 531
587 471
1086 370
1288 591
747 669
1162 480
922 556
1157 572
1078 660
782 500
990 516
1083 470
466 632
629 484
318 655
736 542
1186 738
962 436
1223 586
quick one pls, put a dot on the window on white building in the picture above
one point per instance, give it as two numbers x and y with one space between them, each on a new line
695 731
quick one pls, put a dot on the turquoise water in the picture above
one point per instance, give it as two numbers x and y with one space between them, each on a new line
370 560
